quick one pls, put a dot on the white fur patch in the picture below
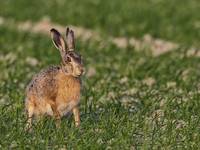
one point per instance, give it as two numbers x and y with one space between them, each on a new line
49 110
64 110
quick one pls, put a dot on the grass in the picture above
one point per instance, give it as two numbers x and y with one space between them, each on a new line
172 19
134 100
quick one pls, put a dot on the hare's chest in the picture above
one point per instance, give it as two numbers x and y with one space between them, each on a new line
68 95
69 89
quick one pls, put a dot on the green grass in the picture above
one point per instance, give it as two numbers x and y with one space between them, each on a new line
171 19
118 108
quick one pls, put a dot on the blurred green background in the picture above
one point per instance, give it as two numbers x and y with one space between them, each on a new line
170 19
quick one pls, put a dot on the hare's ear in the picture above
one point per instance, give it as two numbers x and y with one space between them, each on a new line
58 40
70 39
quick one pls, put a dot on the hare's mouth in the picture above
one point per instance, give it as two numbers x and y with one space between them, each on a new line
80 73
77 76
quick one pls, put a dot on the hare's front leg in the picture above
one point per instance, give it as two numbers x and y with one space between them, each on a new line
56 114
76 115
30 112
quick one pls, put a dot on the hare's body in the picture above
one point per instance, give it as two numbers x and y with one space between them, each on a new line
55 91
63 91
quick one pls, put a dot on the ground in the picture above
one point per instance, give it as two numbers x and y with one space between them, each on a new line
141 89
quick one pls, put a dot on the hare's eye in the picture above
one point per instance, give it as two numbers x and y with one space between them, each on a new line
71 54
68 59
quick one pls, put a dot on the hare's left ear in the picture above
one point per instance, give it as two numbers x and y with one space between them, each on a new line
70 39
58 40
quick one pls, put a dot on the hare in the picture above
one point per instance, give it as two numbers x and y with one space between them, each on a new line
55 91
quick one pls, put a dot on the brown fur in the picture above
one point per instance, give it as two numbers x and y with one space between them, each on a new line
53 87
55 91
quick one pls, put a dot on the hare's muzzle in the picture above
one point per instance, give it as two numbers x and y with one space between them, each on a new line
82 71
78 71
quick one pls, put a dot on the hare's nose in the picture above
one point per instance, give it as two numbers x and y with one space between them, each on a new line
82 70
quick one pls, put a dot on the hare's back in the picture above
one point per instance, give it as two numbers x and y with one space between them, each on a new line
44 83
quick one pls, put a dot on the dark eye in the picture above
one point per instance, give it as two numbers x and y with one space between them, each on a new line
71 54
68 59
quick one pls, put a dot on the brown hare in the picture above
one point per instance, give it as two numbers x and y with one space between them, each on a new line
55 91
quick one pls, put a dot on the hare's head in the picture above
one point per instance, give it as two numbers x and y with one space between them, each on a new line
71 60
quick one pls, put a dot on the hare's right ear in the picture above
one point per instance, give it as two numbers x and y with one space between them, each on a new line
58 40
70 39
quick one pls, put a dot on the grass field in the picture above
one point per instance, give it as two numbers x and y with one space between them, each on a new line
131 100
